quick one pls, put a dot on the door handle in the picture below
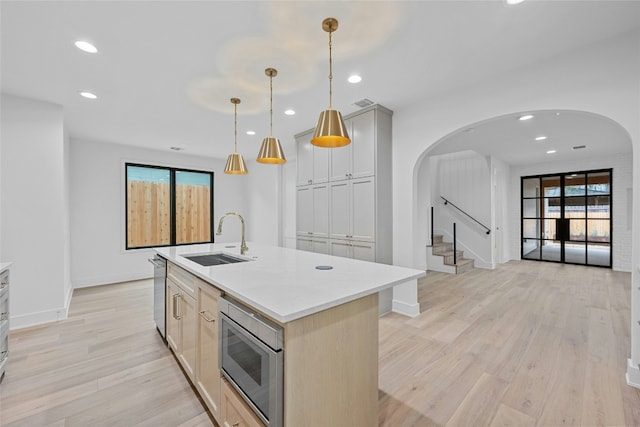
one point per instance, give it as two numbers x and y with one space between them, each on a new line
207 319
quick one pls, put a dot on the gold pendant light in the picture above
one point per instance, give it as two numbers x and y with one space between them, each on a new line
235 162
271 151
330 131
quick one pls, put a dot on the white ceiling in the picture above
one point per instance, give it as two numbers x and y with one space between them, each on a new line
165 70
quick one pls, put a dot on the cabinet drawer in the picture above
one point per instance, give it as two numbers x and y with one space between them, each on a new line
182 278
235 412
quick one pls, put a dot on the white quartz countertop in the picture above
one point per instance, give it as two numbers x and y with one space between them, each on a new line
284 283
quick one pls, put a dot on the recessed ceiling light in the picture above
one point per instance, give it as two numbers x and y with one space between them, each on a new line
354 78
513 2
551 151
88 95
526 117
289 112
251 132
86 46
540 138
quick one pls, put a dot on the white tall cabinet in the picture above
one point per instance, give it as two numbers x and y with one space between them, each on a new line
344 194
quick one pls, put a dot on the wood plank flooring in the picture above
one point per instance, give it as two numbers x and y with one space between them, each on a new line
526 344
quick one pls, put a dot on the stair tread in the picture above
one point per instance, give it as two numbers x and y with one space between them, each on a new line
449 253
461 261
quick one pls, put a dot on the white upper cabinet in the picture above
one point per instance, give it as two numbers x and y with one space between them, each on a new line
312 216
313 162
304 159
363 209
352 211
304 211
357 159
344 204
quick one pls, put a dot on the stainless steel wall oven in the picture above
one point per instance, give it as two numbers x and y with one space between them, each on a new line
252 359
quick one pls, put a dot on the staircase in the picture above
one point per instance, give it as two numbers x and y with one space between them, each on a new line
445 250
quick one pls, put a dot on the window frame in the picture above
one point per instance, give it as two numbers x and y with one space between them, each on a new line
172 205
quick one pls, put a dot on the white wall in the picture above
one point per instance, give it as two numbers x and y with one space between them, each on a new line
97 208
464 179
34 208
601 79
622 180
500 229
264 207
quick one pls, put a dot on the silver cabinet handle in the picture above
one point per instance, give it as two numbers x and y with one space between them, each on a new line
176 305
174 314
206 319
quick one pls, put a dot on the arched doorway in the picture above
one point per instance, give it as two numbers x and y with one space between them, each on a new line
549 142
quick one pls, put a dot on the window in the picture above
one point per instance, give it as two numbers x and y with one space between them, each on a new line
167 206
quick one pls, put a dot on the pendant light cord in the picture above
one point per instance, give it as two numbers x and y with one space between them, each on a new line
270 105
330 73
235 128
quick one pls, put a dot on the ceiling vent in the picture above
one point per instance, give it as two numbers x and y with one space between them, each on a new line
364 103
578 147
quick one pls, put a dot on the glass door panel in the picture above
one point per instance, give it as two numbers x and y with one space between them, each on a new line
567 218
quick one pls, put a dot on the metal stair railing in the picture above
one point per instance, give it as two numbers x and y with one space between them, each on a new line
447 202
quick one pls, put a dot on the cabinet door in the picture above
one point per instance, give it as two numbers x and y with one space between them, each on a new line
304 244
363 251
340 164
363 209
320 165
341 248
207 371
363 145
173 321
320 246
320 210
188 334
234 411
304 211
304 151
340 210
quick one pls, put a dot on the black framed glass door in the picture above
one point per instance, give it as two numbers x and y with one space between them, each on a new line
567 218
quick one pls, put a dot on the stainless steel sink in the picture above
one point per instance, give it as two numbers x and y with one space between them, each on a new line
208 260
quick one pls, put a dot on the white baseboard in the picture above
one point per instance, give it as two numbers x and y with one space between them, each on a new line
633 374
39 318
107 280
401 307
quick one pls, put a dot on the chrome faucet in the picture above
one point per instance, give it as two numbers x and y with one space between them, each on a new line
243 245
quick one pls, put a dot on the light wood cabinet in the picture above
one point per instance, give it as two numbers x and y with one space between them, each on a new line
234 411
207 372
181 326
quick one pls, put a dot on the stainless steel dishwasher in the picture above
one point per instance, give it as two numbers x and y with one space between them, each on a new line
159 292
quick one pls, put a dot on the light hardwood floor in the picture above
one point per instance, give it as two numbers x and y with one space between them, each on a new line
526 344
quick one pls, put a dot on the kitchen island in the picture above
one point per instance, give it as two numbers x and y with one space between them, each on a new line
328 309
